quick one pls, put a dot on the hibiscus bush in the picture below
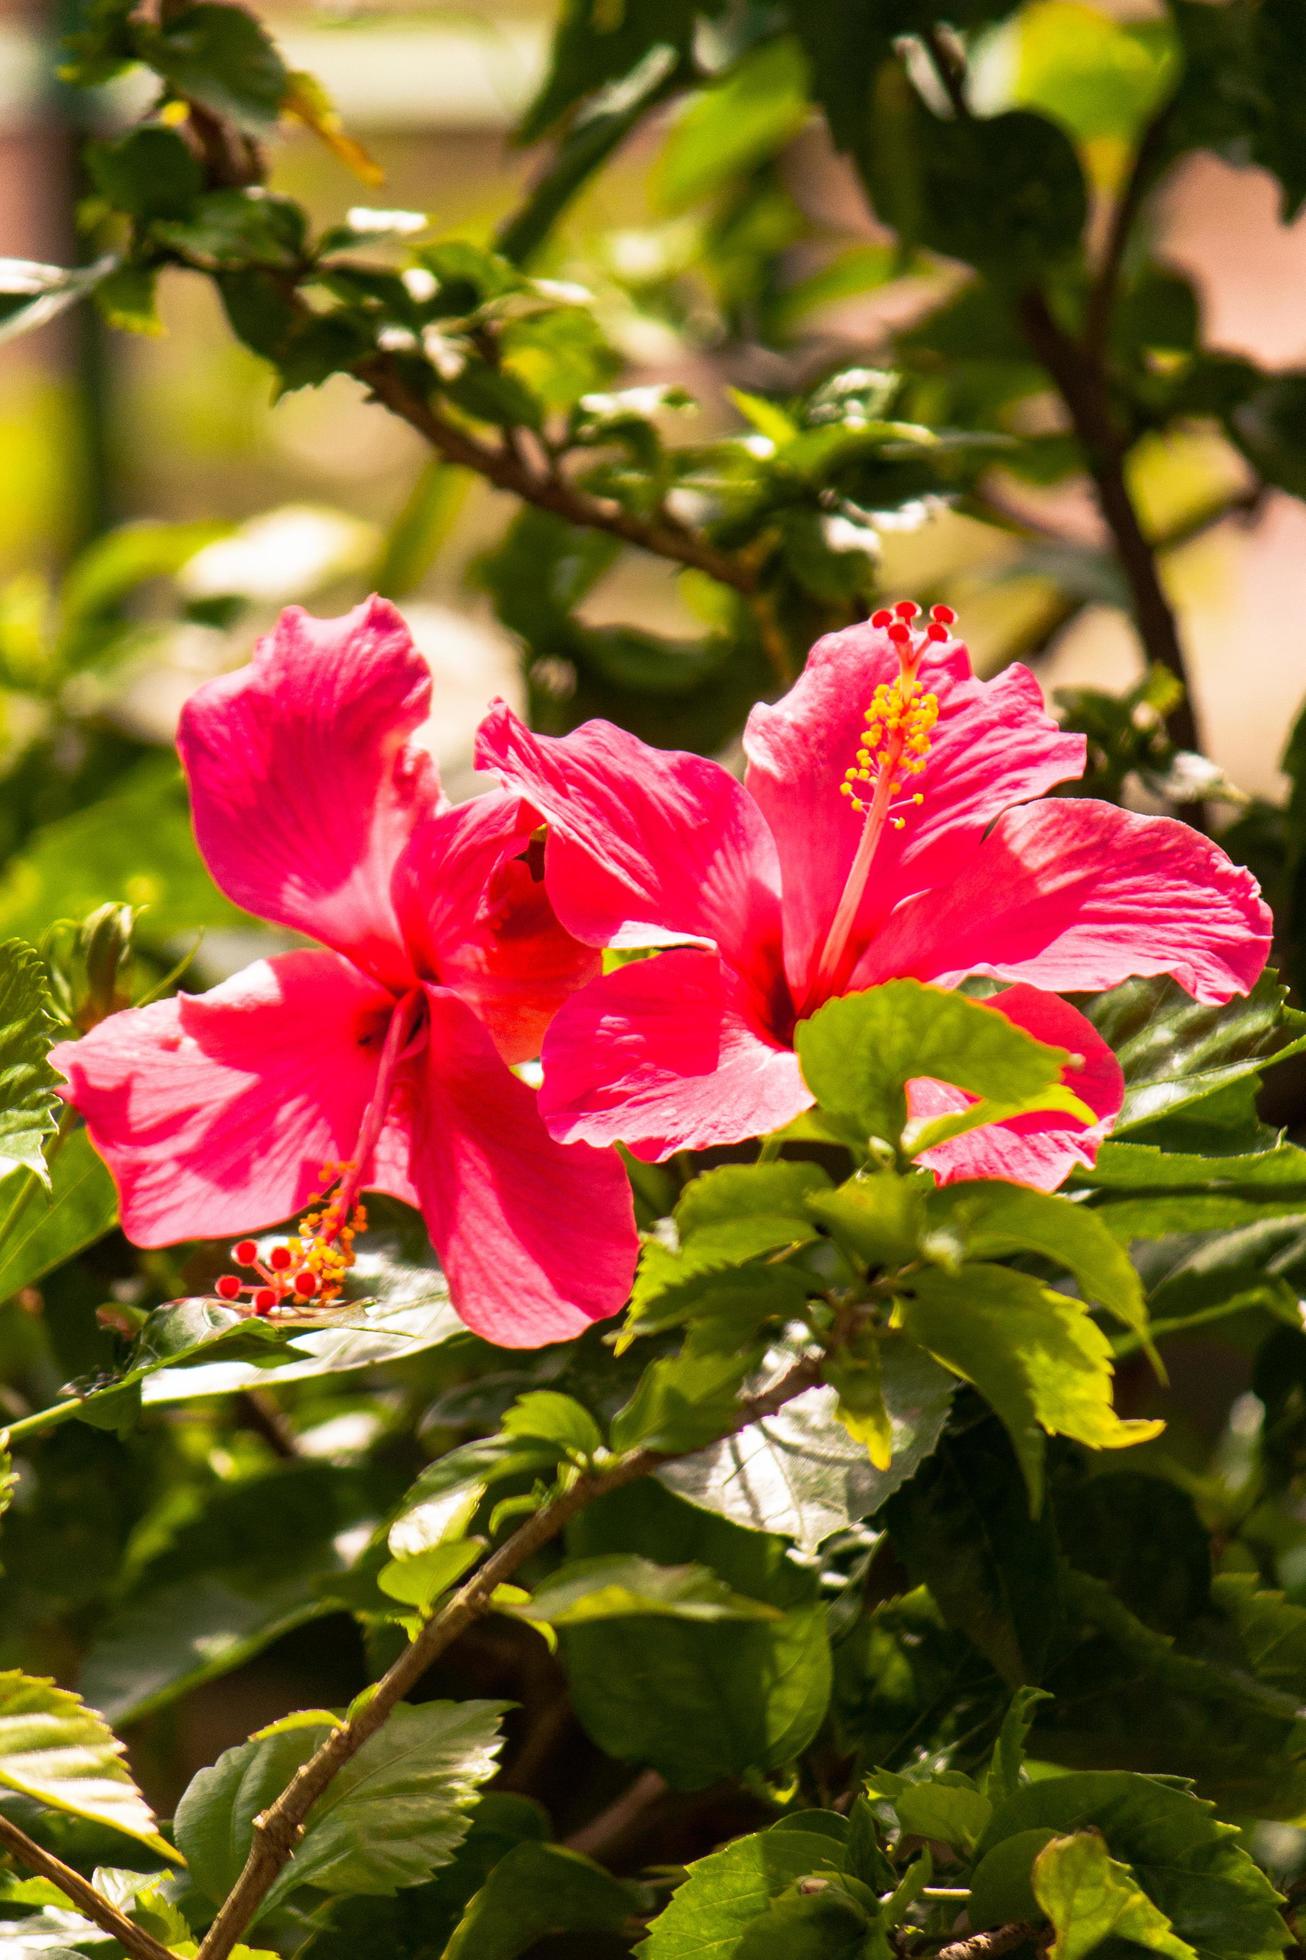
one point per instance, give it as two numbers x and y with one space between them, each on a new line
697 1352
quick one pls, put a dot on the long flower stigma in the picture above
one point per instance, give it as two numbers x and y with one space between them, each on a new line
894 749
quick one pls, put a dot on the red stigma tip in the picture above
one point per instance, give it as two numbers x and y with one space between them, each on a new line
906 609
936 631
244 1252
306 1284
943 614
264 1300
881 618
228 1287
279 1258
900 634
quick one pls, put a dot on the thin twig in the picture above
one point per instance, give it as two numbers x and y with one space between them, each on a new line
1147 159
612 1824
279 1829
548 489
134 1939
988 1946
1083 388
1080 379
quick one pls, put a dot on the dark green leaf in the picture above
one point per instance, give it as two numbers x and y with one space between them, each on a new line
726 1893
535 1891
44 1228
149 173
1090 1898
222 57
619 1586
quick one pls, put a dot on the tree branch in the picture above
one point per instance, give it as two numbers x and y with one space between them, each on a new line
133 1939
508 469
279 1829
1147 159
1080 379
1082 386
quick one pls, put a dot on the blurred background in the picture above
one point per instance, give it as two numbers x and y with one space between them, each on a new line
315 498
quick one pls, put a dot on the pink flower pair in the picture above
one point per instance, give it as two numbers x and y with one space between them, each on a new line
461 944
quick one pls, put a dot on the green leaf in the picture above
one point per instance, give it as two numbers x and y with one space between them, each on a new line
267 1554
993 1220
742 1210
27 1025
150 172
1148 1193
725 1893
222 57
827 1924
43 1229
545 1415
1190 1865
962 1527
684 1401
800 1474
943 1806
238 229
440 1504
1005 193
1036 1356
1090 1898
536 1891
1178 1055
1003 1776
734 124
698 1702
420 1580
877 1216
617 1586
56 1750
394 1814
858 1054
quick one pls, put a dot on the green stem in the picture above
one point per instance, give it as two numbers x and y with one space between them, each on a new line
43 1419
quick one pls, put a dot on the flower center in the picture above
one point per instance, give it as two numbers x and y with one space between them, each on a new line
893 751
313 1263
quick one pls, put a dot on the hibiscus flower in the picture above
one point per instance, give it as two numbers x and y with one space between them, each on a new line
884 828
381 1060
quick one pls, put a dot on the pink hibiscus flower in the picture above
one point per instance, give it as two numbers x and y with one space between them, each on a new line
385 1054
780 893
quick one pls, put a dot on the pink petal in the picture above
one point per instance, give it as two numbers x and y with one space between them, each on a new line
994 745
303 785
470 894
1075 896
1040 1149
216 1113
664 1055
537 1238
646 846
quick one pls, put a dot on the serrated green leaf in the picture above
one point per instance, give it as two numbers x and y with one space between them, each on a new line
993 1220
221 56
1147 1193
1190 1865
45 1228
684 1401
1036 1356
58 1751
546 1415
727 1892
878 1216
395 1813
27 1026
1089 1898
943 1807
858 1054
